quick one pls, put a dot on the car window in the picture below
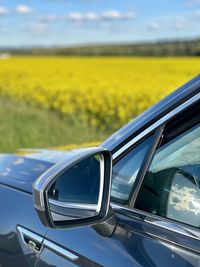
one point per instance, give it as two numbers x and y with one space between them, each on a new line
125 171
171 187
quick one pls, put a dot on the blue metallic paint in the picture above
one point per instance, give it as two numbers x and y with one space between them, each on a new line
133 241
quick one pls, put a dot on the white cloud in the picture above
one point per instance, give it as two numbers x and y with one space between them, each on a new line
116 15
3 11
75 16
154 26
106 15
79 17
23 9
176 25
177 22
91 16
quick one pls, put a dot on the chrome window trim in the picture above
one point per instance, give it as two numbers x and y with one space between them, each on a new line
57 249
161 222
173 227
158 123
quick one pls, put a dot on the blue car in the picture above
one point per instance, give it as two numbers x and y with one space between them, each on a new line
133 201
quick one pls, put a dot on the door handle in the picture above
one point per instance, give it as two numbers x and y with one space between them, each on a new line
35 242
30 239
33 245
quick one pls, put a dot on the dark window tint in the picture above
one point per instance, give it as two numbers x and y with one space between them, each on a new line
125 171
22 168
79 184
171 185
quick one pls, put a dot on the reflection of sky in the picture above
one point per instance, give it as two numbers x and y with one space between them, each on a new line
22 169
49 155
184 201
184 150
125 170
65 22
53 156
29 164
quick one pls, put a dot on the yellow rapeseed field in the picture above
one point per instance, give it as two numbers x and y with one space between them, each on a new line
104 92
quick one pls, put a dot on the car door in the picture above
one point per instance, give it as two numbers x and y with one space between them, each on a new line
21 232
19 244
97 245
138 237
161 221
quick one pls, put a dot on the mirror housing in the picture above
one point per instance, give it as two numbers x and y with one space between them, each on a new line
75 210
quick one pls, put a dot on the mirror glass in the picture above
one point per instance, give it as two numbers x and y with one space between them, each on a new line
76 193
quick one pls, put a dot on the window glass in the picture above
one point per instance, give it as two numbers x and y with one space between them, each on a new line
125 171
171 185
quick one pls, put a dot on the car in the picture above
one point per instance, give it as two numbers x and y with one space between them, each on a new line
132 201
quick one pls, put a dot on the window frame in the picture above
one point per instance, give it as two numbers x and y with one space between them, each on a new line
163 218
131 204
158 127
145 160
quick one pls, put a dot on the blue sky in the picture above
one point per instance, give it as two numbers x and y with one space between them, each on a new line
69 22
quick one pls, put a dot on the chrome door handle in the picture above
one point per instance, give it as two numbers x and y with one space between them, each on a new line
30 239
36 242
34 246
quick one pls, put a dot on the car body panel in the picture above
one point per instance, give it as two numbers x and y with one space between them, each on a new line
26 163
134 243
17 210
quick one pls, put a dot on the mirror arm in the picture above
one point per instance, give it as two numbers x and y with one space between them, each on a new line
108 226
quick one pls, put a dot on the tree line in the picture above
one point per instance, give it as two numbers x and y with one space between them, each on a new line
164 48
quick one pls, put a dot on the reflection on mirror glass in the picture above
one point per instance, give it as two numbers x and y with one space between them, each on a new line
75 193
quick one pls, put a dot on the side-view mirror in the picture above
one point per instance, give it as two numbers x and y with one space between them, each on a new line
75 192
